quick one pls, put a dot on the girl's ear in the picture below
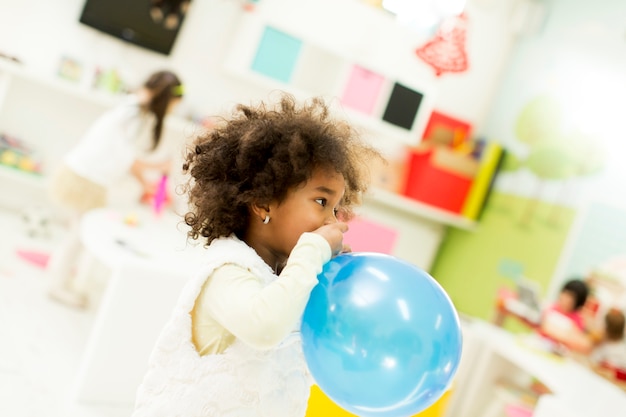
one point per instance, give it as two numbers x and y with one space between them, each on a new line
260 210
145 95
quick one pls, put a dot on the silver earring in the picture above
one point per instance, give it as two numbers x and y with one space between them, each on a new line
266 220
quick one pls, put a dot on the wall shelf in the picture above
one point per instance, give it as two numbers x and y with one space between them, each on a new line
58 84
309 79
50 114
27 179
415 208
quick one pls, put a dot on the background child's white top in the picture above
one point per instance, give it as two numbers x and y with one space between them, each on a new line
108 149
611 353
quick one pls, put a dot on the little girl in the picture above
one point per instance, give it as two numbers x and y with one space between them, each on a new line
611 351
265 191
563 323
111 149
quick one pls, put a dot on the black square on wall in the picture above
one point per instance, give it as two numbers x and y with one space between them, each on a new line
402 106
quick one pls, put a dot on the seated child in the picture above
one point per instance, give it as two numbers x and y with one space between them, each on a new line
611 352
563 323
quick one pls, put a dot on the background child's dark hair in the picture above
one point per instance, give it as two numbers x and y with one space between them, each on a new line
579 289
261 153
614 323
164 86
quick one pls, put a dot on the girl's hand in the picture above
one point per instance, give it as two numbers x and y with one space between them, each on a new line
333 233
165 166
147 194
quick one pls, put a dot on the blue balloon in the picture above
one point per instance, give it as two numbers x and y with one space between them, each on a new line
380 336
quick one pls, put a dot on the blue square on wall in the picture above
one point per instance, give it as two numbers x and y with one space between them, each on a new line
277 55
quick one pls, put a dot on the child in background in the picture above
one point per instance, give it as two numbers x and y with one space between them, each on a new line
563 323
111 149
266 190
611 352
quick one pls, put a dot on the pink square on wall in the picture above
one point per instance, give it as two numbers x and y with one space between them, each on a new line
368 236
362 90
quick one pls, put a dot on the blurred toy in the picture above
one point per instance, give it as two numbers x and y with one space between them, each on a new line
36 221
131 219
108 80
70 69
8 157
39 259
16 154
160 196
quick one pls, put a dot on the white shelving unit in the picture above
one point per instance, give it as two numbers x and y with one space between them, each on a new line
50 114
23 179
420 227
412 207
322 70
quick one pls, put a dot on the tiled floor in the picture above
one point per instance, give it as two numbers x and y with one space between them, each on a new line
41 341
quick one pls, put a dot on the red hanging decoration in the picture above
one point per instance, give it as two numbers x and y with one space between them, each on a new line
446 51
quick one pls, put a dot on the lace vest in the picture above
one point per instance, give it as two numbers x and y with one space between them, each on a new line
241 381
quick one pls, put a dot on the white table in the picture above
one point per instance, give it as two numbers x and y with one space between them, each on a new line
115 235
150 262
575 388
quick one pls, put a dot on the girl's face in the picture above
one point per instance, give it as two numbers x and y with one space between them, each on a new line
305 209
566 301
171 106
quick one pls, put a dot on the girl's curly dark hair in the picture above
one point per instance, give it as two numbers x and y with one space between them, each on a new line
259 154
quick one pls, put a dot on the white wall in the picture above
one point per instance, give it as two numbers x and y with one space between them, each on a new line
39 32
578 56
